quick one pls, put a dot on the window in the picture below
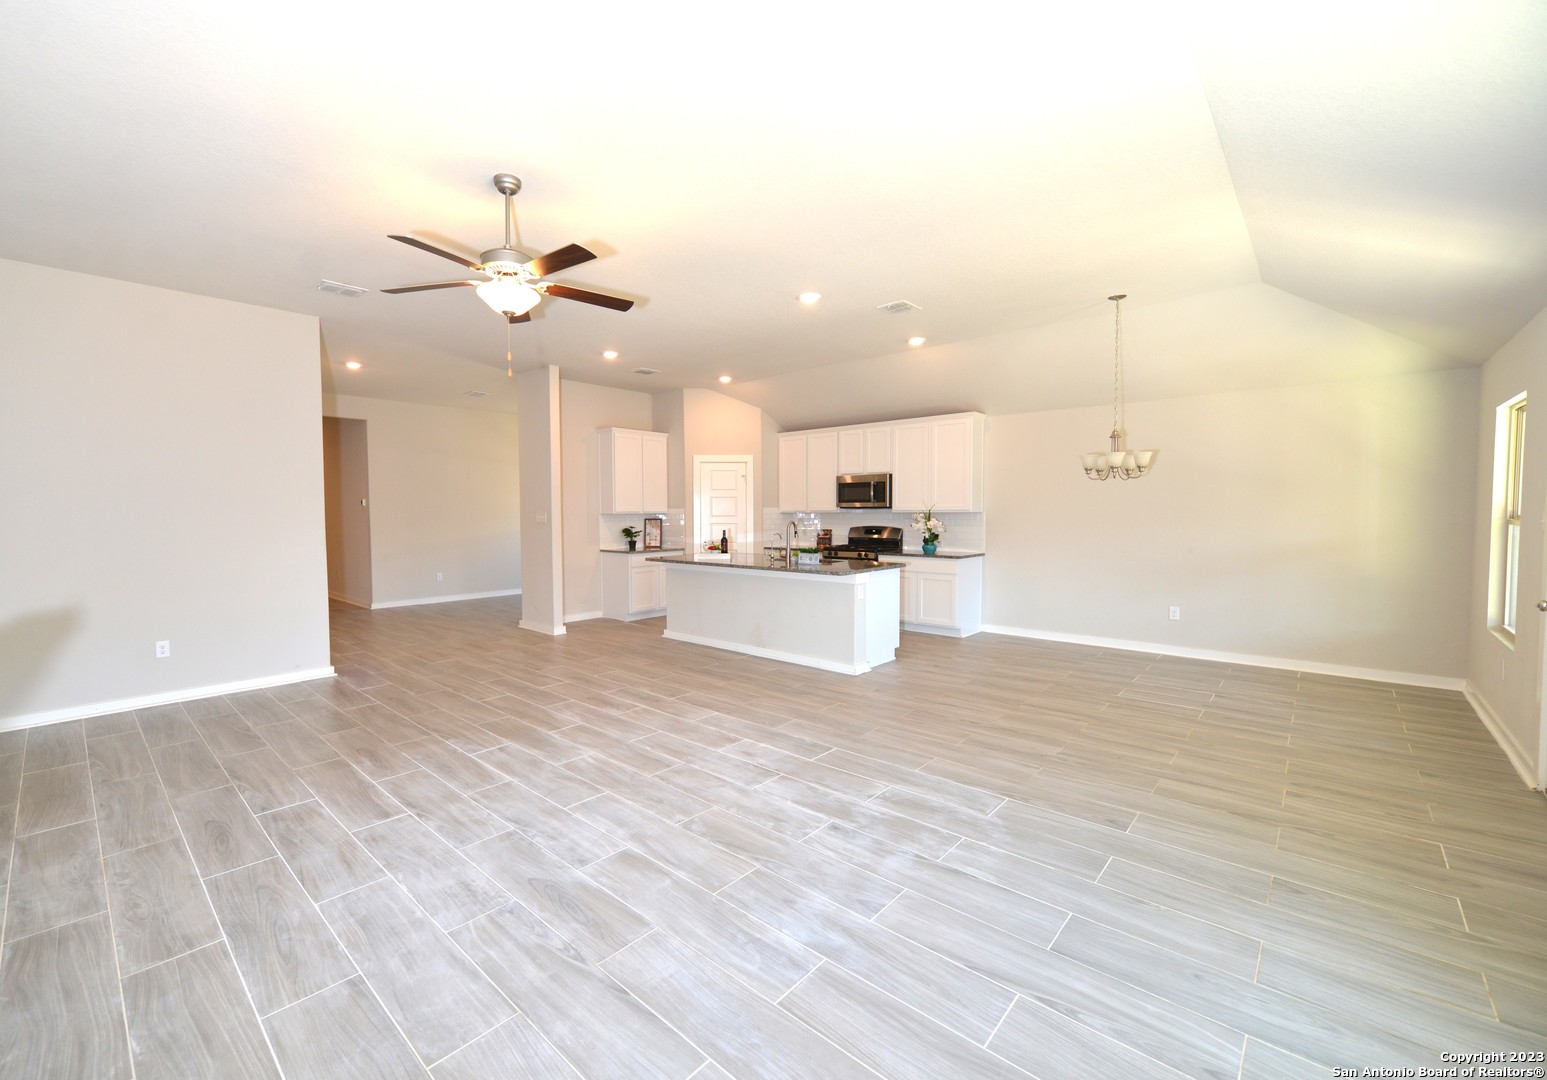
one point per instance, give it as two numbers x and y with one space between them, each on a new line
1508 458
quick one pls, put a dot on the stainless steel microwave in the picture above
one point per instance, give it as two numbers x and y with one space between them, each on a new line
865 491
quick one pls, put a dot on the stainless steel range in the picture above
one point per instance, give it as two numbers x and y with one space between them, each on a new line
872 542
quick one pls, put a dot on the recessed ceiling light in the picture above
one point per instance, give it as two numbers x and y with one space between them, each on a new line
352 365
725 378
610 354
915 341
809 297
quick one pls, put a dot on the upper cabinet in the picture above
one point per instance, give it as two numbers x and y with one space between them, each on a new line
808 470
632 466
934 461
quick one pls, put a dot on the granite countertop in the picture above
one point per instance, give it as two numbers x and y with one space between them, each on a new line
915 553
825 568
641 551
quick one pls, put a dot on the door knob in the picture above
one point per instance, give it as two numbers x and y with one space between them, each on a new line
1541 605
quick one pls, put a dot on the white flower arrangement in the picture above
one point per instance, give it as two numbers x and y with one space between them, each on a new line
931 526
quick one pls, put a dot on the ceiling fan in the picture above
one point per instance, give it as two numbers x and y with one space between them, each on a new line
513 280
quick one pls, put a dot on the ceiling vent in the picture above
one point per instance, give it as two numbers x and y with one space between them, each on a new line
898 307
475 393
647 371
341 289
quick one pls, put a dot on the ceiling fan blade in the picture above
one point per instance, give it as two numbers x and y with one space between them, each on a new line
566 292
562 259
433 250
525 316
431 285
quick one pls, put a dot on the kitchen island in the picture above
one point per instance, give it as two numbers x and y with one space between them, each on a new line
838 614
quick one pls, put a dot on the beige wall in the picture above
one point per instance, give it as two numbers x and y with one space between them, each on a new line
1326 525
1507 677
161 478
542 506
716 424
444 499
583 409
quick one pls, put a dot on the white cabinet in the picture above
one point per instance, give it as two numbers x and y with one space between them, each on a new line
632 471
865 449
808 471
792 472
632 586
942 596
938 461
934 461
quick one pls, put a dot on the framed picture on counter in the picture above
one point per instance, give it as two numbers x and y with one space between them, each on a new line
653 534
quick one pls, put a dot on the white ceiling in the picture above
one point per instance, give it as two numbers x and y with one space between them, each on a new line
1284 193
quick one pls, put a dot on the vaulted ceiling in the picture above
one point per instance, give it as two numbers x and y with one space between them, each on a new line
1285 193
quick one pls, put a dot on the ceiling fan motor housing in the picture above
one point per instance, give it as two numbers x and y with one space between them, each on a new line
502 261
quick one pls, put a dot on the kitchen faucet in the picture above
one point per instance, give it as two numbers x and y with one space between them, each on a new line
789 542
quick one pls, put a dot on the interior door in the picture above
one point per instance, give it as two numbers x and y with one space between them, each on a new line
724 502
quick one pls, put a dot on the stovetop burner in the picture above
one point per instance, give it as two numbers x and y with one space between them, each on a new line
871 542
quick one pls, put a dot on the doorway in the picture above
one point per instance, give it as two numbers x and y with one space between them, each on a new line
722 500
346 497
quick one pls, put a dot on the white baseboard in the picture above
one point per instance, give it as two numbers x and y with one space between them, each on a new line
582 616
542 628
445 599
171 697
351 601
1513 750
1404 678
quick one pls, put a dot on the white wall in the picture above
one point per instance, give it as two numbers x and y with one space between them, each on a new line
583 409
161 479
444 499
1508 677
716 424
1326 525
542 507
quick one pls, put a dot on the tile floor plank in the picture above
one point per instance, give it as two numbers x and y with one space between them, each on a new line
63 1014
221 832
281 944
438 997
341 1033
325 858
443 882
159 906
189 1019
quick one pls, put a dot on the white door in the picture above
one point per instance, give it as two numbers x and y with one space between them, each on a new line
724 501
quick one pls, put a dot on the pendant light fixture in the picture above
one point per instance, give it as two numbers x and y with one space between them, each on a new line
1119 461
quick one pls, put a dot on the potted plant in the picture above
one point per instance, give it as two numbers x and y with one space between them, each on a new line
931 527
808 556
630 534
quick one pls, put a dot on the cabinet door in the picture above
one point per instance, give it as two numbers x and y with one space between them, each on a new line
878 449
653 473
911 488
822 470
792 472
643 587
627 460
954 470
851 451
935 595
909 609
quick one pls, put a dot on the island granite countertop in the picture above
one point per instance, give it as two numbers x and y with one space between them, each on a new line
826 568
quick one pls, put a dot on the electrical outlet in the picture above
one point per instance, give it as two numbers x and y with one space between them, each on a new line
439 576
1175 614
163 650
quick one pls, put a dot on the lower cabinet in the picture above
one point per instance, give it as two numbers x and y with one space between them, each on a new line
942 596
632 586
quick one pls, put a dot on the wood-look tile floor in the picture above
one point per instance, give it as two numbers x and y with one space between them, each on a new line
482 853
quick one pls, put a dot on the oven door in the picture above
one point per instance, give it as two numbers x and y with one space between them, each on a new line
865 491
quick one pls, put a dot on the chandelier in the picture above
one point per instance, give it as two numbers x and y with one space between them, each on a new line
1119 461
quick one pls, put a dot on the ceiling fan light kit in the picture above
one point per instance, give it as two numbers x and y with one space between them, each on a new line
1117 461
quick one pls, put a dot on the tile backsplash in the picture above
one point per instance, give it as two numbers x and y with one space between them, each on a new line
963 532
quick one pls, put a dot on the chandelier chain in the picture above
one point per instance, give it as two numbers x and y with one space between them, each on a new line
1117 365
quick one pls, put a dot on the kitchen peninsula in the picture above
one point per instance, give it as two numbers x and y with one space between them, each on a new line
837 614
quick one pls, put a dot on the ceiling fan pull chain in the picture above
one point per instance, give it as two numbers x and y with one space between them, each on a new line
509 373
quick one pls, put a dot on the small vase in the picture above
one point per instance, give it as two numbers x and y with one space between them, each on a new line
929 547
